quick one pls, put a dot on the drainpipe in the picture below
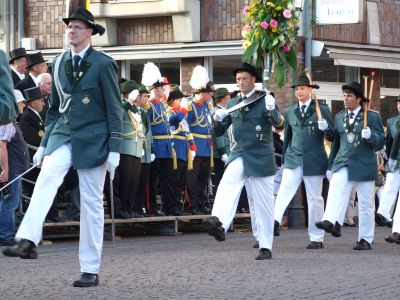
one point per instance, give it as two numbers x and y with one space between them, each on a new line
7 25
12 24
21 22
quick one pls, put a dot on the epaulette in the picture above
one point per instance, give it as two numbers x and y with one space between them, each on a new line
189 106
146 106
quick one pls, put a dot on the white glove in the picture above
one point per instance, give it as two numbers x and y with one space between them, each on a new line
322 125
152 157
392 164
366 133
269 102
184 103
112 163
133 95
220 114
328 175
38 157
193 153
224 158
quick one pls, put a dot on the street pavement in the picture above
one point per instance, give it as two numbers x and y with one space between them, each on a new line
195 266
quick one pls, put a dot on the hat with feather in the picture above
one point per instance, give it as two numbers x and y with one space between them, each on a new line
200 82
151 76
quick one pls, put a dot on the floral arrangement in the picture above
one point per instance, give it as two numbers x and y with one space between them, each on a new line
271 28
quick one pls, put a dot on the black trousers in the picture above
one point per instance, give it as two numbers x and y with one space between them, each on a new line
180 180
129 173
142 198
219 169
161 175
197 182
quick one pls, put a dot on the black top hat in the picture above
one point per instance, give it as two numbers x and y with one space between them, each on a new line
175 94
32 94
245 67
356 88
17 53
85 16
303 80
34 59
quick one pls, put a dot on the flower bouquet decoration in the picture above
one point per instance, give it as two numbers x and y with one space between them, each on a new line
271 29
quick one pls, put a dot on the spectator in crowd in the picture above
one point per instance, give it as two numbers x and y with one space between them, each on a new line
36 65
44 83
18 64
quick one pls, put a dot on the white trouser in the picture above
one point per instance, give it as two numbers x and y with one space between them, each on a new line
338 197
390 190
252 212
351 208
396 219
291 179
260 190
91 182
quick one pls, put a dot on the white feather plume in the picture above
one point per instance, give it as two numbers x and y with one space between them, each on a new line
151 74
199 78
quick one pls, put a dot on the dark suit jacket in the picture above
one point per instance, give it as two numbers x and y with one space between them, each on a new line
15 78
93 122
32 127
8 105
25 83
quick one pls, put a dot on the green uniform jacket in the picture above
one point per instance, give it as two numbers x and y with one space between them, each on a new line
359 156
93 122
252 131
132 140
8 105
393 126
303 144
221 143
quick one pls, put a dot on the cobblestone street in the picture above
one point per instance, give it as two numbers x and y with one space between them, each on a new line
195 266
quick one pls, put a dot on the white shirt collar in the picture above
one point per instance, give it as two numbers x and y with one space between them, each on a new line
356 111
307 104
82 53
34 79
249 94
20 75
36 113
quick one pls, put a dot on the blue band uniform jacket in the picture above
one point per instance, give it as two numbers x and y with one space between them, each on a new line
304 142
181 135
93 122
359 154
252 132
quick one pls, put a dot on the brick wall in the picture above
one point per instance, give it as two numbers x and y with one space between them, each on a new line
187 66
43 21
221 19
141 31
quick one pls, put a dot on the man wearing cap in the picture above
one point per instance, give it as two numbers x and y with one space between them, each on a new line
251 162
352 162
182 141
36 65
142 199
200 125
83 130
392 183
8 105
133 140
18 64
304 157
222 145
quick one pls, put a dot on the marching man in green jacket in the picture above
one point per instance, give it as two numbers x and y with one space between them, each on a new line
83 130
352 162
305 158
251 162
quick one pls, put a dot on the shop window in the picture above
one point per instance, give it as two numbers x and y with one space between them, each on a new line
390 79
168 68
324 69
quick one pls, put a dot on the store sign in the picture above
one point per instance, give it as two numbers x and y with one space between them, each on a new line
338 11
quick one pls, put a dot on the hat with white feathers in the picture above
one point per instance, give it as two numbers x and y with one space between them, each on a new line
200 82
151 76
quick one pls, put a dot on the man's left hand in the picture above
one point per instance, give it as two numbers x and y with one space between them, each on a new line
269 102
366 133
112 163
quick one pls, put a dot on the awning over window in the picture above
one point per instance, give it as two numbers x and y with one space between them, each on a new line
364 57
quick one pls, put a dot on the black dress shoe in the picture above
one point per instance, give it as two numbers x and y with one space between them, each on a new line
206 210
315 245
362 245
214 228
276 228
86 280
264 253
380 220
336 231
135 214
256 245
24 249
54 219
196 211
393 238
174 212
325 225
157 213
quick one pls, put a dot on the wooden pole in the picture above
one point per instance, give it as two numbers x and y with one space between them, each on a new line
317 109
